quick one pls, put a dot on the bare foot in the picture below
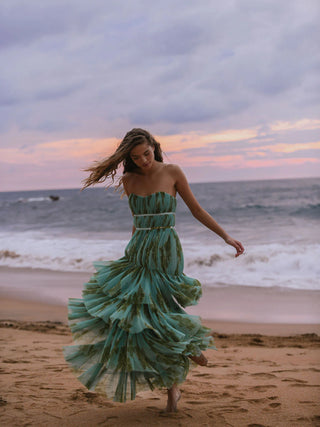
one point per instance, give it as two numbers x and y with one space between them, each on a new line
200 360
174 395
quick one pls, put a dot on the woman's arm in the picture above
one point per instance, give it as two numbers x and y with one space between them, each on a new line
183 188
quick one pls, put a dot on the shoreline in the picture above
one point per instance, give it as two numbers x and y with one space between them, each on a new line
233 310
13 309
24 297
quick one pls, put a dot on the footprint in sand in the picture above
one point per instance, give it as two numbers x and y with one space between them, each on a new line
304 385
269 362
295 380
211 365
235 375
262 388
198 402
10 361
3 401
263 375
208 376
262 400
225 394
275 404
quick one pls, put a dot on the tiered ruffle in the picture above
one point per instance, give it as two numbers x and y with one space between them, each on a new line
130 333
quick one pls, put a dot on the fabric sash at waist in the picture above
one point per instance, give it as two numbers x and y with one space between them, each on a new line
154 220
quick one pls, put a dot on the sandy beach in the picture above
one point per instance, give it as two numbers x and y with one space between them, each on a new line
263 374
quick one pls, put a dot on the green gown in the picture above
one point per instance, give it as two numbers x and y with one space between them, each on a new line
130 330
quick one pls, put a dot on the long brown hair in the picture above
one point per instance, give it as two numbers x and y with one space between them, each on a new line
107 168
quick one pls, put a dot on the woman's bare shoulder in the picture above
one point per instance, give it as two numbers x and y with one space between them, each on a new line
171 167
174 170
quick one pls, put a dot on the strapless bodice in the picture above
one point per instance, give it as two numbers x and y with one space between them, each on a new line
155 211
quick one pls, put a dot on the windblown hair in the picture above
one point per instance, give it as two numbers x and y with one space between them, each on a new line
107 168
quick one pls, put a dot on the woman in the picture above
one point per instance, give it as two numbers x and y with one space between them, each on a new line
130 329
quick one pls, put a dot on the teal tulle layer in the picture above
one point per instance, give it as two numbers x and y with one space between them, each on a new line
130 330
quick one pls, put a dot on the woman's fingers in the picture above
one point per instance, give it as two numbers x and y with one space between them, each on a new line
236 244
239 247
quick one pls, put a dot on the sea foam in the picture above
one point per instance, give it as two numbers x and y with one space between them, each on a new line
265 265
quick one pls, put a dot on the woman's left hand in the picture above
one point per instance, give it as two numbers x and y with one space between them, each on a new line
236 244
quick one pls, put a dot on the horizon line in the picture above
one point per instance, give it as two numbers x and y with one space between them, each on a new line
191 183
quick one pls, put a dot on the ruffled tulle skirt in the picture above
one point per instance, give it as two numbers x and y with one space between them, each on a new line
130 331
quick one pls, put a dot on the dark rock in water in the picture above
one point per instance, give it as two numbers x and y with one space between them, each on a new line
54 198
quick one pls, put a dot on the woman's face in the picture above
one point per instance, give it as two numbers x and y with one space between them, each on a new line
143 155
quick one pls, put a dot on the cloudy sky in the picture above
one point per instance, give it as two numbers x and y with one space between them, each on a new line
229 88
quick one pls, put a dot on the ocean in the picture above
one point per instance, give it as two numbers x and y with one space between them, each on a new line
277 221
